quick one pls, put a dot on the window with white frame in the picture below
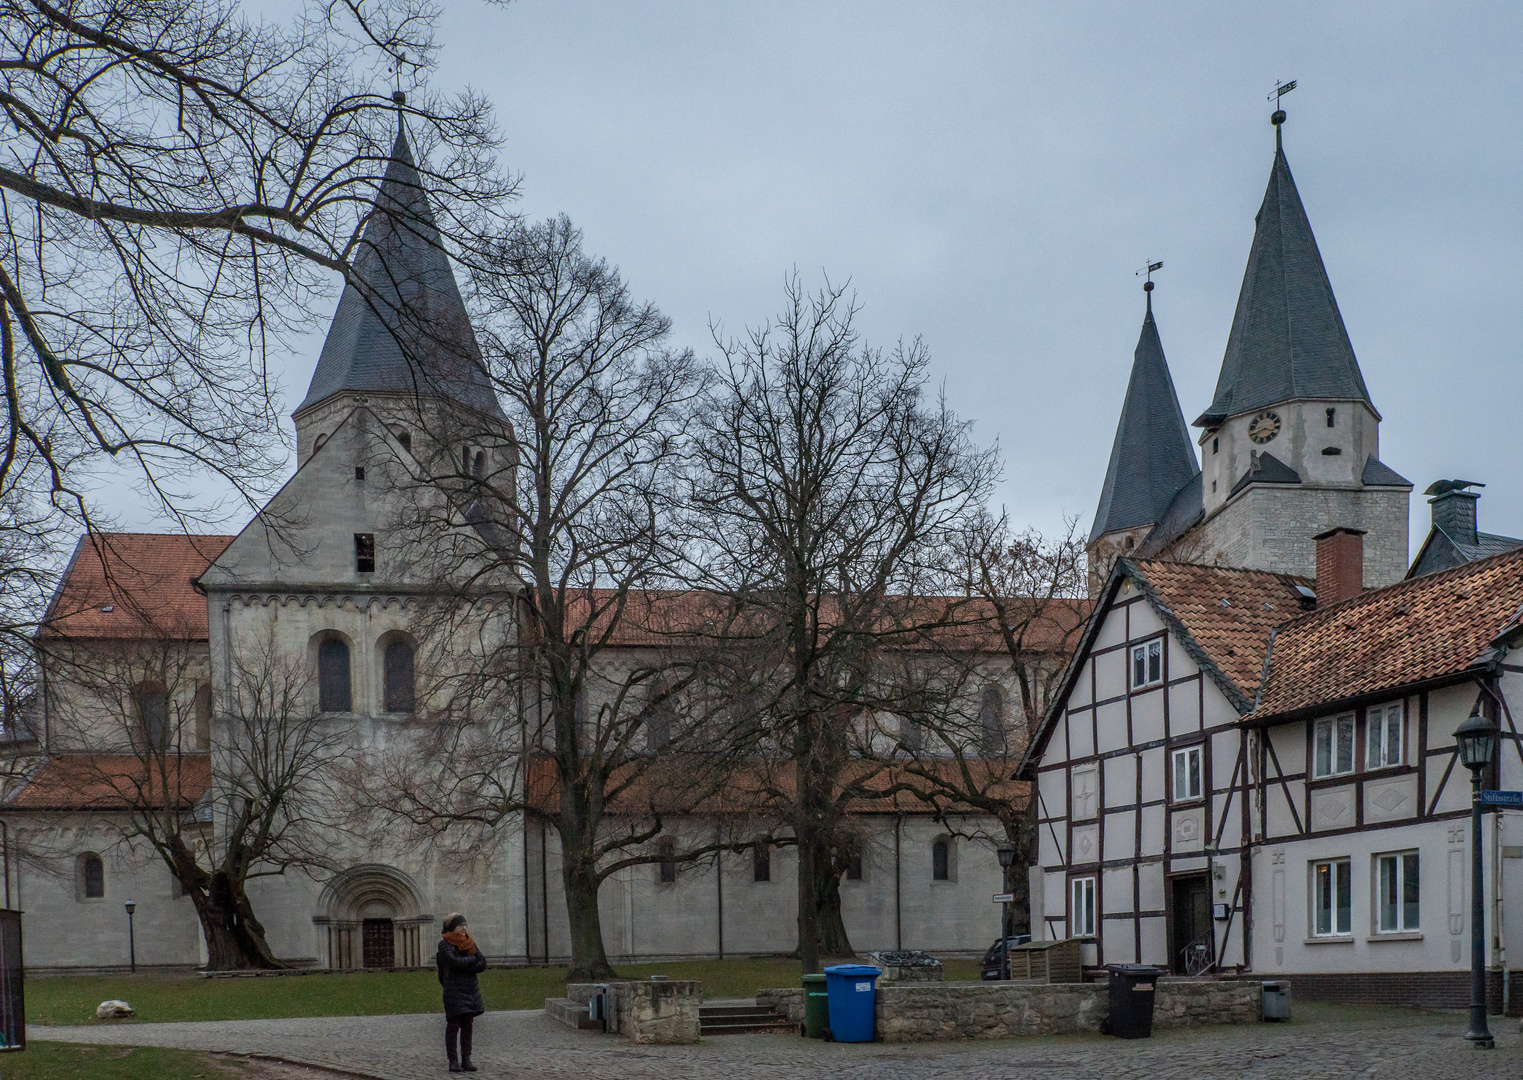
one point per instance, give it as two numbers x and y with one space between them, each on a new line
1396 903
1081 915
1333 746
1332 898
1382 737
1187 773
1147 664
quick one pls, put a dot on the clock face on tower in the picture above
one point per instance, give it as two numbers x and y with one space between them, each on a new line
1264 427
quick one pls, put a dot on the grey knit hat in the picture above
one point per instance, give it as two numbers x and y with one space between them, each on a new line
453 920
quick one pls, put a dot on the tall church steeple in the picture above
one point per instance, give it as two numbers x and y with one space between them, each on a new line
1152 458
401 327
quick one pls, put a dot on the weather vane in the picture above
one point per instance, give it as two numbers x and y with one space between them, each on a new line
1278 116
1147 286
1281 89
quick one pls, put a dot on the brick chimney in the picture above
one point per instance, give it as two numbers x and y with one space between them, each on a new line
1340 565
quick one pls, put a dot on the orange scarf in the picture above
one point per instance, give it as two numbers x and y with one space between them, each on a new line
461 939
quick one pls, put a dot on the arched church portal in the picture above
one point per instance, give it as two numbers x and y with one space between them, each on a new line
373 917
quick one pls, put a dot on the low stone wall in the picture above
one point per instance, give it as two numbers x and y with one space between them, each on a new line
664 1013
1195 1002
788 1000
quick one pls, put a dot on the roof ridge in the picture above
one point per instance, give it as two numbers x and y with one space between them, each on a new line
1474 566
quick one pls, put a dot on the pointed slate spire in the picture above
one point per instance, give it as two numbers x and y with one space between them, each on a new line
404 329
1153 457
1288 340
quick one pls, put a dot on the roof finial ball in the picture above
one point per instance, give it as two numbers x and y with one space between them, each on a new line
1278 116
401 99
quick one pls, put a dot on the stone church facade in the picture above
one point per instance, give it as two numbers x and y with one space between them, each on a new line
326 584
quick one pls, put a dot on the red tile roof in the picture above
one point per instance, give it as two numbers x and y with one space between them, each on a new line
113 782
1228 613
133 585
1417 630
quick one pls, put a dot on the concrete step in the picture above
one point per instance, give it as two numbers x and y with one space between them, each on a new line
571 1013
740 1020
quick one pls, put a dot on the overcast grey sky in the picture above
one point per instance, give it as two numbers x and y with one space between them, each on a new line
990 176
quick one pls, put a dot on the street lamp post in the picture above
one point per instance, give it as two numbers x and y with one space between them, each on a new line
1006 853
1477 738
131 937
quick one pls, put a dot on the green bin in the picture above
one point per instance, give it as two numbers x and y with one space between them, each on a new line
816 1007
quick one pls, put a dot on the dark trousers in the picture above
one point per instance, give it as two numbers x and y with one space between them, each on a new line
460 1025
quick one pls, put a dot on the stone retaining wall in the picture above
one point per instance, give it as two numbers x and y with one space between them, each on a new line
931 1012
650 1011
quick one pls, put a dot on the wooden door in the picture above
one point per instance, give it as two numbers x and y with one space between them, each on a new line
378 944
1194 945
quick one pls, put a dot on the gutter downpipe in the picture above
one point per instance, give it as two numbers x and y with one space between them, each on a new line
898 907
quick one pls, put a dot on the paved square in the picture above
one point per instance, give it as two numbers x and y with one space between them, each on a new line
1323 1042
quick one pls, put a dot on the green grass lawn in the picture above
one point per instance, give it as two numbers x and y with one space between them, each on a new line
67 1061
72 999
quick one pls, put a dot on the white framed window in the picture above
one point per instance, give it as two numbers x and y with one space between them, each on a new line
1147 664
1332 898
1187 773
1081 913
1382 736
1397 900
1333 746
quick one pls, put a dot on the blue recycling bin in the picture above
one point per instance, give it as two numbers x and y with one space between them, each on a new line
850 988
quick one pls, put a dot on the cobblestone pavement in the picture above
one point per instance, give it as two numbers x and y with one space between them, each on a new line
1325 1042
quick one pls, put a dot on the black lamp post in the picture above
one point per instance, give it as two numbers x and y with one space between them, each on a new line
131 938
1006 853
1477 738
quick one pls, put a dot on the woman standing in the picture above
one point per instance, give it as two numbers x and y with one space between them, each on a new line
459 963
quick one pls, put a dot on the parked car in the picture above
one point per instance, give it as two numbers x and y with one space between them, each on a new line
990 968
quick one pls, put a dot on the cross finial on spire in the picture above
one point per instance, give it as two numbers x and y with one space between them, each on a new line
1277 118
1147 286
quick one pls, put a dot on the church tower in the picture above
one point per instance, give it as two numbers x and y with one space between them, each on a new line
1290 445
1152 463
401 339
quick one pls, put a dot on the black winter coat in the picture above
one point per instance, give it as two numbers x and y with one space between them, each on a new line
457 974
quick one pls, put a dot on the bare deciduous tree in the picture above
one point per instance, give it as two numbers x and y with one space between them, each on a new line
179 185
219 802
569 512
827 494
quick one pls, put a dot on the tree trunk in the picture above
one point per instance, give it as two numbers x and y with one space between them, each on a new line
830 930
235 939
579 879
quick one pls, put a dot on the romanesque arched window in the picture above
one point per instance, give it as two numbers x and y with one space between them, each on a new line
92 877
333 676
152 707
397 687
479 464
991 721
941 859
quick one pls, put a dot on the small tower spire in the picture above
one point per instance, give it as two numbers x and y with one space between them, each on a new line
1277 118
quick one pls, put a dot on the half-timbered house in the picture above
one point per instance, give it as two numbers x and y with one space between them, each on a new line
1251 772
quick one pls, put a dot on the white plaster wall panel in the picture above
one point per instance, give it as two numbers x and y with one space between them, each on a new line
1110 727
1085 845
1057 743
1153 764
1453 794
1187 829
1150 886
1116 890
1119 941
1110 675
1037 899
1081 691
1187 863
1152 830
1218 710
1332 808
1120 835
1288 742
1056 903
1155 942
1084 791
1121 781
1113 630
1181 663
1228 833
1052 788
1081 735
1390 800
1050 844
1144 621
1225 747
1184 708
1147 718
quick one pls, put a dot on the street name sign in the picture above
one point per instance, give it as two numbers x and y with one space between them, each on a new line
1004 898
1502 798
